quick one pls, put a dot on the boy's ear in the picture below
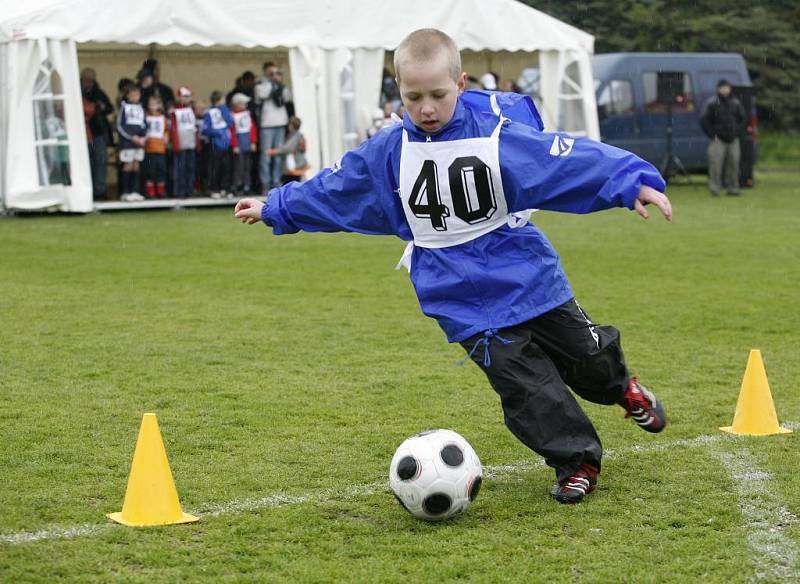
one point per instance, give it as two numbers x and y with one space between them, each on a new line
462 82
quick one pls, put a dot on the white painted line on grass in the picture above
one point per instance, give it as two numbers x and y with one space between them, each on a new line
766 518
495 472
54 533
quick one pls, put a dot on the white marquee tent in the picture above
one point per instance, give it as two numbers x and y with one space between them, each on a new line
336 55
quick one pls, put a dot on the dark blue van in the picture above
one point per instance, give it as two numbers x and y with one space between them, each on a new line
638 93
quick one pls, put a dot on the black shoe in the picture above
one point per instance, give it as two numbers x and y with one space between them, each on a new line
641 405
575 487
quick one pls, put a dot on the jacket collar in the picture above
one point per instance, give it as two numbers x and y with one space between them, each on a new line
446 132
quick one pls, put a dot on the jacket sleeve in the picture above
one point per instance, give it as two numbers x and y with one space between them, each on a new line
558 173
173 129
207 128
290 145
706 121
107 108
121 121
347 197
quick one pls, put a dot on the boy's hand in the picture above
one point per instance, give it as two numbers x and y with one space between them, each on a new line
650 195
248 211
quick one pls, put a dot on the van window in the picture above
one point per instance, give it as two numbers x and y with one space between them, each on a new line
709 79
615 98
665 88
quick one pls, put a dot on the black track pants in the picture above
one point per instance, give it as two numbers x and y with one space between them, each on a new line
531 373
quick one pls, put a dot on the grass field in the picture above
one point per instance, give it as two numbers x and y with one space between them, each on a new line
286 370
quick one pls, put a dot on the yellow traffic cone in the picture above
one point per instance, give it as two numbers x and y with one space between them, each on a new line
755 412
151 498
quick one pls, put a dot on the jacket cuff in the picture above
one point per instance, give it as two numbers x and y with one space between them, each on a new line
265 210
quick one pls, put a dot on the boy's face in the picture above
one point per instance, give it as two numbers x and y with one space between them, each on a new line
153 104
134 95
429 93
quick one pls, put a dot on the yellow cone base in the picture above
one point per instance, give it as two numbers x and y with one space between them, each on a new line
151 498
755 411
730 430
185 518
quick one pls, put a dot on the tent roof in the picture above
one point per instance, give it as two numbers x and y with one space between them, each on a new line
474 24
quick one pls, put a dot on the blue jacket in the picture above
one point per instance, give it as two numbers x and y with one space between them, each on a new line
220 135
500 279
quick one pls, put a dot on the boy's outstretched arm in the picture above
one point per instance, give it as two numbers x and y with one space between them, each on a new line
558 173
351 196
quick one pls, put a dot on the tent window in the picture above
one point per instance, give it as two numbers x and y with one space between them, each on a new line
52 146
570 115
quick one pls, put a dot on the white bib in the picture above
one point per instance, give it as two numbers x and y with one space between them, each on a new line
452 191
134 114
217 121
184 116
243 122
156 125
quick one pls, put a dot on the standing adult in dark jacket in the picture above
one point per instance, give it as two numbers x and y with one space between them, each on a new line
100 130
723 119
162 90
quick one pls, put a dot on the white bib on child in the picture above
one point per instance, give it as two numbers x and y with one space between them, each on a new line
134 114
156 125
217 121
184 116
243 122
452 191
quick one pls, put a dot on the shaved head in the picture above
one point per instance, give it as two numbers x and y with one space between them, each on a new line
425 45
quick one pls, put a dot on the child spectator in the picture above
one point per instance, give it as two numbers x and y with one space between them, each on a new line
246 140
293 151
155 149
132 130
218 126
494 282
183 136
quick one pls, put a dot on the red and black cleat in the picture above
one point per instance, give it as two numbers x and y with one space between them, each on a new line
575 487
641 405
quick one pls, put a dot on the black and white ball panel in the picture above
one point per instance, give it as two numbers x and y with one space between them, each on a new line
452 455
408 468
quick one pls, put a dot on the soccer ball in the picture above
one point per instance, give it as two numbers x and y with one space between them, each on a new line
435 474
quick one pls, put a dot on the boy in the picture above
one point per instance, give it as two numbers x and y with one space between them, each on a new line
450 178
132 130
246 140
183 130
218 126
155 149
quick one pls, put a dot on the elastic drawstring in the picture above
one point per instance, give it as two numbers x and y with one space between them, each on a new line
485 340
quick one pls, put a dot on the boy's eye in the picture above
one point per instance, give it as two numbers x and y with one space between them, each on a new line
412 97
